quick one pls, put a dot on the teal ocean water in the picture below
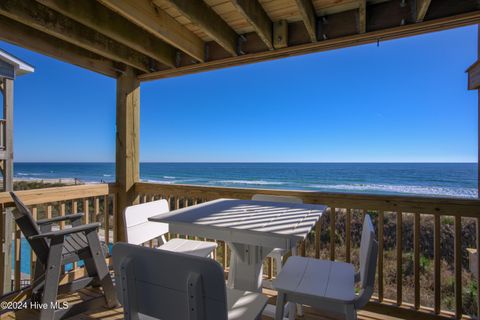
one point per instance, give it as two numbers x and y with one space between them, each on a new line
432 179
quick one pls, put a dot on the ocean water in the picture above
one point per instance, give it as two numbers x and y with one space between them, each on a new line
431 179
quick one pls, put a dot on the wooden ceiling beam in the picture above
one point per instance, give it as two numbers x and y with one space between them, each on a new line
362 16
201 15
253 12
44 19
422 8
159 23
352 38
307 11
96 16
32 39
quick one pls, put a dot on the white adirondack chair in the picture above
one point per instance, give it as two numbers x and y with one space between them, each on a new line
158 284
139 230
330 285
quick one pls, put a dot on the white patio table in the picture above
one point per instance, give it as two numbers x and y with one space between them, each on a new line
251 228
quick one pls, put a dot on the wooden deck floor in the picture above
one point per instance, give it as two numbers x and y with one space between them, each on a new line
98 311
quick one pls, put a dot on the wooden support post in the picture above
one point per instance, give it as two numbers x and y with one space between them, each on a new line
127 144
8 182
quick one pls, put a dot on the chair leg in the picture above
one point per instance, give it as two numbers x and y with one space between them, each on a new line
281 297
52 277
38 282
350 312
101 269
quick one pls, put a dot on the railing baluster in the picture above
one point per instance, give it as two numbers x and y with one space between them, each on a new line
303 250
62 214
86 210
332 233
458 266
74 210
270 267
18 255
62 225
399 257
436 264
33 256
106 220
381 216
416 259
348 234
74 206
96 207
49 211
317 239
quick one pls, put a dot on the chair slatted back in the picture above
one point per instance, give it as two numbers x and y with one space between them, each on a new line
368 254
272 198
168 285
28 226
137 227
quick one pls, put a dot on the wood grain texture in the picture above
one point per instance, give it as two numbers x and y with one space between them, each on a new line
426 205
94 15
44 19
307 12
160 24
422 8
341 41
362 16
253 12
127 143
32 39
201 15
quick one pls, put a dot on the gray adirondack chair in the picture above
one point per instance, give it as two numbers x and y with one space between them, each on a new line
330 285
167 285
54 249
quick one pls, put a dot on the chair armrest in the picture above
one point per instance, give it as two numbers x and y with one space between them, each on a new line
64 232
70 217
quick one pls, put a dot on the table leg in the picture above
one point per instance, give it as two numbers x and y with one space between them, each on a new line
247 266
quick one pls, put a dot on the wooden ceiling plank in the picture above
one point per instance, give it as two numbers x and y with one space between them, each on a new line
362 16
96 16
32 39
356 39
253 12
307 11
39 17
159 23
422 8
201 15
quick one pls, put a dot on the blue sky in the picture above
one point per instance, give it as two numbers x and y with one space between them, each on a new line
403 101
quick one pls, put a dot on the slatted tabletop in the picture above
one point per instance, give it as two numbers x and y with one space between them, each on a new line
245 221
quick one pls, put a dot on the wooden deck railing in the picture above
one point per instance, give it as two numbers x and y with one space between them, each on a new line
421 273
413 233
96 201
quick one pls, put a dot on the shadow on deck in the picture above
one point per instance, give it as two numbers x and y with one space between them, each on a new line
98 311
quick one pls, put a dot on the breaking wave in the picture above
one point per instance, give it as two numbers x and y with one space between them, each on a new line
405 189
